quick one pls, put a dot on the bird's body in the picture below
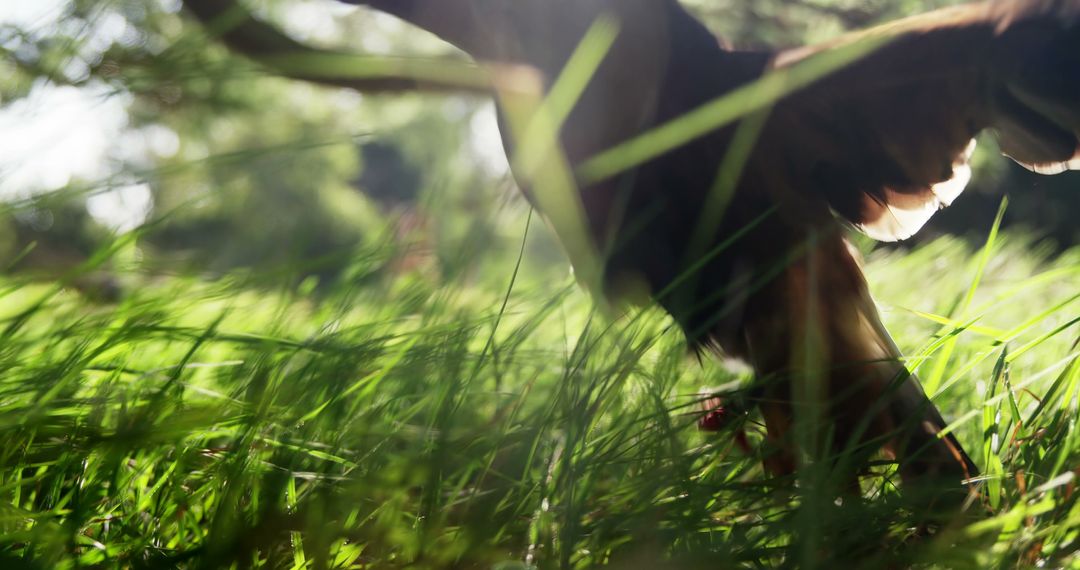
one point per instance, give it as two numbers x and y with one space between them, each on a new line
736 230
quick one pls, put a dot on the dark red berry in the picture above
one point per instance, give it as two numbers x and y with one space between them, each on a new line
714 420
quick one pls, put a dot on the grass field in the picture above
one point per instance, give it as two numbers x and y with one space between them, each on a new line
501 423
488 417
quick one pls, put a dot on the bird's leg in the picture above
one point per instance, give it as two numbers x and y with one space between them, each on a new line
845 392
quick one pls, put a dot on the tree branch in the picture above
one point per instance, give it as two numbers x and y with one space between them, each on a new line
237 28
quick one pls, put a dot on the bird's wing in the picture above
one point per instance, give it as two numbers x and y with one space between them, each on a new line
887 139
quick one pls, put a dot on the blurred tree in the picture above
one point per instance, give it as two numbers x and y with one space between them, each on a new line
262 172
45 243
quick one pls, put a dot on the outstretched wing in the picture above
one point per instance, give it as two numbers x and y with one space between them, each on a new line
887 140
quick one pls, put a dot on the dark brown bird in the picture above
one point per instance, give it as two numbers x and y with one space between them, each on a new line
729 212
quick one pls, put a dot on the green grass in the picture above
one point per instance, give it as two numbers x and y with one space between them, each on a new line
404 423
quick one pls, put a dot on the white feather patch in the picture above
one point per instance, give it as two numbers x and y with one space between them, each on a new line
903 214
